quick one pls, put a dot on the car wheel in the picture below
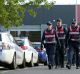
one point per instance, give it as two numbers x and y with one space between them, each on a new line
37 64
13 65
23 63
31 64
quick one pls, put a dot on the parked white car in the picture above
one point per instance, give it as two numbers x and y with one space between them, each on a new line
31 54
11 54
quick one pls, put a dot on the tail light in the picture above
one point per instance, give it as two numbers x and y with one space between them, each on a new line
24 47
5 46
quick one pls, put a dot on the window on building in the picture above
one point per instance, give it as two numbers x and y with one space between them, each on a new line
14 33
35 36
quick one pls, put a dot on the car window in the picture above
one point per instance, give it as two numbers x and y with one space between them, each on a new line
36 46
11 38
20 42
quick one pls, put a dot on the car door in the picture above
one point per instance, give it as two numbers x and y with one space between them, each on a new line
19 52
10 51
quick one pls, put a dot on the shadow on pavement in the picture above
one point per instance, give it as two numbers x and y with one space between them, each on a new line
3 68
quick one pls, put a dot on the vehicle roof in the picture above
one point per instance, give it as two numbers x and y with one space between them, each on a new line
4 32
20 38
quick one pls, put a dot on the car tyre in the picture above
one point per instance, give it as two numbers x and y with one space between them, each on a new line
31 64
23 63
37 64
13 65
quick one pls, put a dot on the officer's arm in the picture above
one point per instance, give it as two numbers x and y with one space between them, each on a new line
65 30
42 40
67 37
58 42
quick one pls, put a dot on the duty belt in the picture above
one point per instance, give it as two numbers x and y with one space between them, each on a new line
61 37
50 42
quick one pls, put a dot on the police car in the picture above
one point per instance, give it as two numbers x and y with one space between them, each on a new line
11 54
31 55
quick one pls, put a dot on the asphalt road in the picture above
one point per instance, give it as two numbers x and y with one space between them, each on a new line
40 70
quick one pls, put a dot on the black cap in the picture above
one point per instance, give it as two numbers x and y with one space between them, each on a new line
49 23
73 21
59 20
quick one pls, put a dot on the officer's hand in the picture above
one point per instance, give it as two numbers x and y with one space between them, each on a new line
41 47
67 48
64 51
59 45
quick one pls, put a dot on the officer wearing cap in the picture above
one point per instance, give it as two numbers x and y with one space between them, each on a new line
72 40
49 40
59 55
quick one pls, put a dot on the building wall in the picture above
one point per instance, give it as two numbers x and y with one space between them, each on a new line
78 13
66 12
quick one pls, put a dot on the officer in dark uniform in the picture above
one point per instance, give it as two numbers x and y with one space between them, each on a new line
59 55
49 40
72 38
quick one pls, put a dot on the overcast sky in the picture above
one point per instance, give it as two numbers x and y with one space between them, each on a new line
63 2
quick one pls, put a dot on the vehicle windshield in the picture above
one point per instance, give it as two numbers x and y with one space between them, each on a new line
20 42
37 46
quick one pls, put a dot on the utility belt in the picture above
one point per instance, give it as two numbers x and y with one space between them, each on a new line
61 37
50 42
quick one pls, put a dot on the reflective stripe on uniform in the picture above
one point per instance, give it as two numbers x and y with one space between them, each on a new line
49 36
60 32
73 32
75 39
61 37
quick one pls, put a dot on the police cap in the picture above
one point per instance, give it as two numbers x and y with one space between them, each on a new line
73 21
59 20
49 23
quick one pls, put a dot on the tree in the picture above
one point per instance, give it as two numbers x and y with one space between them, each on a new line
12 11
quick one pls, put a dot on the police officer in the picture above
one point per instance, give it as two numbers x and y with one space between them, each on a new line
49 40
73 43
61 32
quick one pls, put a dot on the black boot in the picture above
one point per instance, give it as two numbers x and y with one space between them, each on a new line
68 66
62 66
56 67
77 67
49 66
